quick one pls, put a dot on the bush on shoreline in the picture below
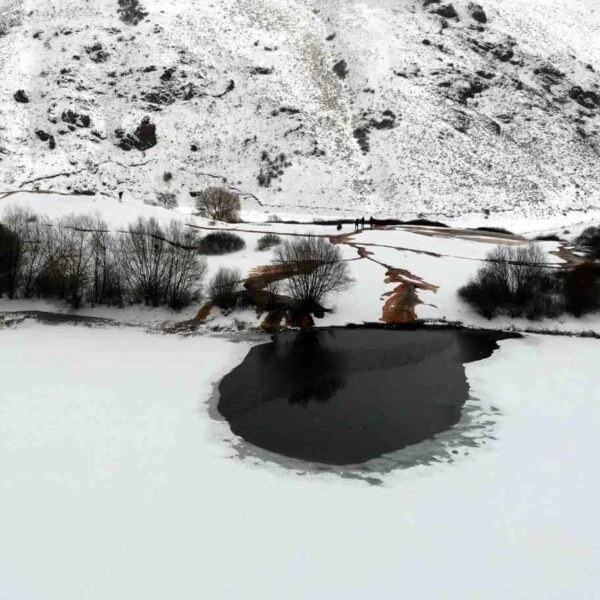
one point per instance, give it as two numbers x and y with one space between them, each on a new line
517 282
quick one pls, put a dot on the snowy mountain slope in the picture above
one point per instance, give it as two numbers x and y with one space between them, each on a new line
312 106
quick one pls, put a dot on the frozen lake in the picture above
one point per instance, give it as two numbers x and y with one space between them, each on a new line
344 396
117 483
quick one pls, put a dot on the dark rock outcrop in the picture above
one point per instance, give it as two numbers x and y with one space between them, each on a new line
469 89
97 53
587 99
340 68
72 118
447 11
362 132
143 138
478 13
21 97
44 136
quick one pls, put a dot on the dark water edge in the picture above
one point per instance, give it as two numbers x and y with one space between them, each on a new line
341 396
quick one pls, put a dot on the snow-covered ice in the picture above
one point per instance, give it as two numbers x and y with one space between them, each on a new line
116 483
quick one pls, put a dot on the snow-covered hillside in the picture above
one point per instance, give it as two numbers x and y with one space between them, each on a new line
318 106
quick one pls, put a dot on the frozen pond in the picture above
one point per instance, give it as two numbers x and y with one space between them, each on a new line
344 396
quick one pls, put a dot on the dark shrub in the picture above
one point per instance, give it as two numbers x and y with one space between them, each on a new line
515 281
589 242
224 289
221 242
549 237
495 230
425 223
267 241
581 289
481 293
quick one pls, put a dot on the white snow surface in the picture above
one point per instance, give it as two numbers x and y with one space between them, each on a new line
116 483
519 145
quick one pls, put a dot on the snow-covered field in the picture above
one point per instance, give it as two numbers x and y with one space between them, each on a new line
116 483
445 259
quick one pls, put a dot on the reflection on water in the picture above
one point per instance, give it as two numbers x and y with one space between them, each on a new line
313 370
341 396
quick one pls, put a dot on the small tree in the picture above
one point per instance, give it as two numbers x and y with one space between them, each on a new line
166 200
316 269
219 204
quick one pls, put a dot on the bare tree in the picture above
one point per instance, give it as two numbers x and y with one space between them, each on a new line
76 260
143 254
31 231
107 277
185 270
518 271
514 280
166 200
316 269
219 204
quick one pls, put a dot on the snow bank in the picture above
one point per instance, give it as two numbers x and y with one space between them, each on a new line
117 484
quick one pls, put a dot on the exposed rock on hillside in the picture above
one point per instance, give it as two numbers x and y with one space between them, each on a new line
324 106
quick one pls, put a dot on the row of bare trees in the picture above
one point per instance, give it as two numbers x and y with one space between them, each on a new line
78 260
517 282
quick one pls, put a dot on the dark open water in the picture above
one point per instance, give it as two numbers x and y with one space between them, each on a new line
344 396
